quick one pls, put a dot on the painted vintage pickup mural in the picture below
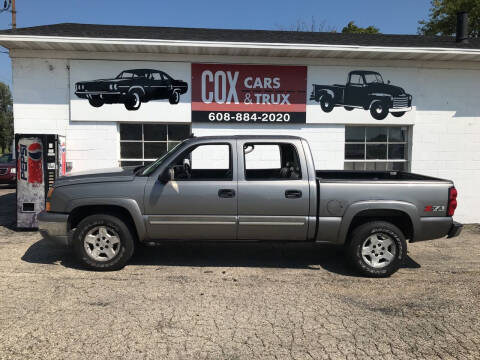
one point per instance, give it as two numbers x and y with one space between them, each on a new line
364 90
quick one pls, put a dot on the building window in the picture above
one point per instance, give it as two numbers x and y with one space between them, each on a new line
141 144
381 148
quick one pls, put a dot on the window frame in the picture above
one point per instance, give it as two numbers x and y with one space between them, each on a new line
387 142
193 147
280 149
142 141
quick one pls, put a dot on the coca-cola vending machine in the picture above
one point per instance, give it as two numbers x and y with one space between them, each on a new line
40 160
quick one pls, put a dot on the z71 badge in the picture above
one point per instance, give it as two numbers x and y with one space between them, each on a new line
434 208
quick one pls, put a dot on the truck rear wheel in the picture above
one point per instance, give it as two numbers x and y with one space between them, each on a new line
379 110
398 114
326 103
377 249
103 242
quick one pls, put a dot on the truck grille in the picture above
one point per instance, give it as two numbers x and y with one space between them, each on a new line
3 171
400 102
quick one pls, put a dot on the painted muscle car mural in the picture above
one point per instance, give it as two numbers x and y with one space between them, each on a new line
364 90
131 88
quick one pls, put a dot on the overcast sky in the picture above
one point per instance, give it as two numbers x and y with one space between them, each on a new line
392 17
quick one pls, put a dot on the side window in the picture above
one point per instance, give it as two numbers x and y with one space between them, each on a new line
271 162
204 162
356 79
156 76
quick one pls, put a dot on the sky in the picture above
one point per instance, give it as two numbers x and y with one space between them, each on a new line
391 17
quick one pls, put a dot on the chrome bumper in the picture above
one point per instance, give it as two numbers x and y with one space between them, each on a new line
402 109
54 228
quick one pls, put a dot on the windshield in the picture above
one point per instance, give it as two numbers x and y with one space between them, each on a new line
147 170
5 159
373 78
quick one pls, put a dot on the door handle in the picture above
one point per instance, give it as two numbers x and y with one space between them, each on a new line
293 194
226 193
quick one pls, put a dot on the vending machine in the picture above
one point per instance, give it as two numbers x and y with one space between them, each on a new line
40 161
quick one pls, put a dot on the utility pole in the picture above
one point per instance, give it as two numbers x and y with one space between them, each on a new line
14 15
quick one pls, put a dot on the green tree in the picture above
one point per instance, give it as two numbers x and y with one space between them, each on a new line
351 28
6 118
442 18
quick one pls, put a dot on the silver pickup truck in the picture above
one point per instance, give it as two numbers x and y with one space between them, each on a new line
247 188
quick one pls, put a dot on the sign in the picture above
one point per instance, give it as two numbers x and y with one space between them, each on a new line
359 96
248 94
144 91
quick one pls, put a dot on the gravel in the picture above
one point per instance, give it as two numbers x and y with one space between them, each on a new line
236 301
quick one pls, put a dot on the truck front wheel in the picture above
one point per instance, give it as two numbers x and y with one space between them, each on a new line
103 242
326 103
376 249
95 101
379 110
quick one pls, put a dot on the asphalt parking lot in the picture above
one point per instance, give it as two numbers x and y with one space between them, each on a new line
236 301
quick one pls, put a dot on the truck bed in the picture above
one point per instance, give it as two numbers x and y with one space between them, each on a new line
347 175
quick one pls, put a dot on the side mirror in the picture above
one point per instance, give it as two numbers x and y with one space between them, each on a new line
388 81
166 176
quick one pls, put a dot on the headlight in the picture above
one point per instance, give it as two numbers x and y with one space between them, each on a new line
13 170
110 87
115 86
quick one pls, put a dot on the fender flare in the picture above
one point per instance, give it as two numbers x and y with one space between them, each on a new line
354 209
378 96
326 92
130 205
136 87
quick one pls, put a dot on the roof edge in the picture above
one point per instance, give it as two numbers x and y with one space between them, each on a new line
5 39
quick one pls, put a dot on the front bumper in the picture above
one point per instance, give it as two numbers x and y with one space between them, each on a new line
403 109
8 178
54 228
455 230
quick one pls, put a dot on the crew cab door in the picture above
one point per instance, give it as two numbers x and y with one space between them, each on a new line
355 91
201 200
273 190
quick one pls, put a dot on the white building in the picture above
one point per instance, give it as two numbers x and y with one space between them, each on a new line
438 136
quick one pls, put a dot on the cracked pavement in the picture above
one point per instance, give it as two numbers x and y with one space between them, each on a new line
236 301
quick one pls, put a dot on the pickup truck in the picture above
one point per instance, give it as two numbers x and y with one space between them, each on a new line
365 90
247 188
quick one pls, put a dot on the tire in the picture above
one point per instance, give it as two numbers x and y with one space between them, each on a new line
174 97
364 241
348 108
134 100
326 103
87 236
379 110
398 114
95 101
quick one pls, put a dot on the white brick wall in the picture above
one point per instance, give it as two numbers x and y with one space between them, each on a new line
41 105
446 134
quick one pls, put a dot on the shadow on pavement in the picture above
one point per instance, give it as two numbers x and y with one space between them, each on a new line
8 208
217 254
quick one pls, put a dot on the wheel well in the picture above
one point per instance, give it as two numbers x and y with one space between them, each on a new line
398 218
79 213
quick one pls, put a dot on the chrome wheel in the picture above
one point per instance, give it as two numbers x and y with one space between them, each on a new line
136 99
102 243
378 250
